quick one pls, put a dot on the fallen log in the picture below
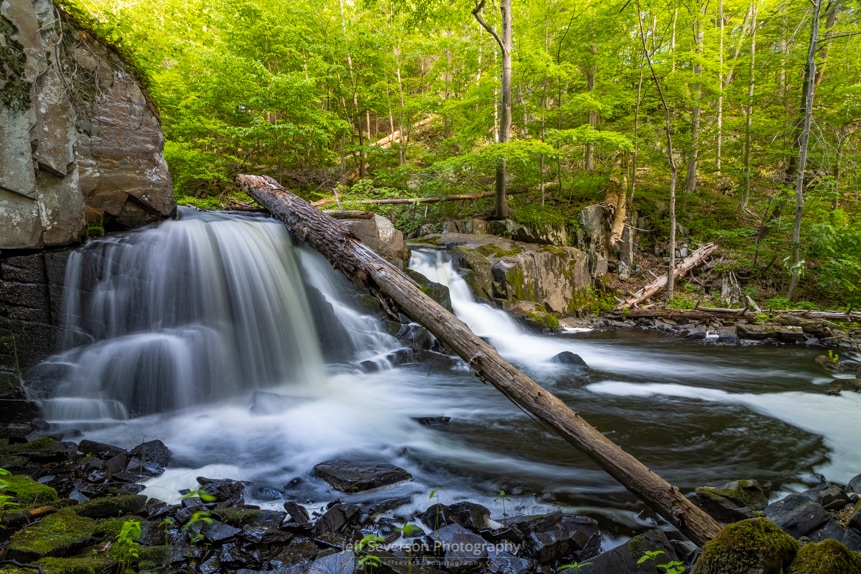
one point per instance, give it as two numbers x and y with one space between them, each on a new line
411 200
398 292
746 313
660 283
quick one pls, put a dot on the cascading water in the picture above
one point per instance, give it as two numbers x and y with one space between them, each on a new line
182 323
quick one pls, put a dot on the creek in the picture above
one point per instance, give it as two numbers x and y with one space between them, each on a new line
253 360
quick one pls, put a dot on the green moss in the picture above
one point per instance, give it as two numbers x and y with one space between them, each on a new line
28 492
238 516
40 445
494 250
751 545
742 492
109 529
56 534
826 557
427 240
77 565
153 556
112 506
543 320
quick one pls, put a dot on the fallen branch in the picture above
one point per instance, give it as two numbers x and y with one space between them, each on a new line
398 292
723 313
660 283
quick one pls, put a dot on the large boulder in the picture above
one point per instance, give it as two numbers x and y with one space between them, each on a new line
79 141
506 271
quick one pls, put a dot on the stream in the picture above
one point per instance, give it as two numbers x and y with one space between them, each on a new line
252 359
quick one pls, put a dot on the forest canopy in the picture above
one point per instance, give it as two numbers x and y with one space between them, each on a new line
392 98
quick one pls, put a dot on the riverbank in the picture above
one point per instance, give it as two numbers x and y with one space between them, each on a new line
70 508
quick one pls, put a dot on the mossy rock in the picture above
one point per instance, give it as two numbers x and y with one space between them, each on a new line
112 507
826 557
753 546
238 516
543 320
153 556
28 492
55 535
44 445
77 565
109 529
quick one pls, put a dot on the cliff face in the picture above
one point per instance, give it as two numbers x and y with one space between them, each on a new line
79 142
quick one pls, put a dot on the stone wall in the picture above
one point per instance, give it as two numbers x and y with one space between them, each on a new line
79 142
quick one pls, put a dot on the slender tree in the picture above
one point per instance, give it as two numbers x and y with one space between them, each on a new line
501 209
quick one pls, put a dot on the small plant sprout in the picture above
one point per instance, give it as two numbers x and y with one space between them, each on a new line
503 498
672 567
435 494
408 530
7 502
367 562
575 566
127 547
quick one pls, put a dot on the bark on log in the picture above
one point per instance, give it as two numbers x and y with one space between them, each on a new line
348 255
660 283
409 200
746 313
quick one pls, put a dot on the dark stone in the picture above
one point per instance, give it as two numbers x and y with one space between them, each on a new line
336 518
797 515
854 521
505 563
835 531
298 514
462 550
436 291
830 496
227 492
432 421
100 450
339 563
436 516
569 358
352 476
116 463
854 484
470 515
153 451
624 558
214 530
18 411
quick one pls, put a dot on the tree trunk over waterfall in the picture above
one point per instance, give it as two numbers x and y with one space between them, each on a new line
397 292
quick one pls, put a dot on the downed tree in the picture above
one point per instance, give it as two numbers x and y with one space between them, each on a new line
398 292
660 283
409 200
746 313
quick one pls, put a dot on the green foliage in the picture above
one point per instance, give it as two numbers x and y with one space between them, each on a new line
503 498
671 567
7 501
836 244
575 566
126 547
366 561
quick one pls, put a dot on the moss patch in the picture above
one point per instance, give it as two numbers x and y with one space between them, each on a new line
108 530
28 492
94 565
238 516
826 557
14 88
112 507
748 546
543 320
56 534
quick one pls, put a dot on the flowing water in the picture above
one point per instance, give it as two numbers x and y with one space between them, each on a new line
252 359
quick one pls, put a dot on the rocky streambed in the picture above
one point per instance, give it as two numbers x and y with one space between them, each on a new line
70 508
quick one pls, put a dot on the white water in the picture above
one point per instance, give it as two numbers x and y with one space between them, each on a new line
189 319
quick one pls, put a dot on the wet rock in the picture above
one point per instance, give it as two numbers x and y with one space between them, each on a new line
505 563
797 515
470 515
833 530
353 476
214 531
569 358
854 521
462 550
154 451
829 496
436 291
624 558
733 501
827 557
298 514
432 421
226 492
100 450
336 519
339 563
854 484
436 516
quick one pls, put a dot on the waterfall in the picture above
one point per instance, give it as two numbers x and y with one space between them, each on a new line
196 310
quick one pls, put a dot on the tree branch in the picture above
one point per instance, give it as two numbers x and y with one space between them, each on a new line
477 13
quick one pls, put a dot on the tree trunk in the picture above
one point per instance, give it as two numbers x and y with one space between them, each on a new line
501 210
804 137
668 128
399 293
748 120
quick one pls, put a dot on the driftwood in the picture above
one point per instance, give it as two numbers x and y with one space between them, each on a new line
411 200
398 292
746 313
660 283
